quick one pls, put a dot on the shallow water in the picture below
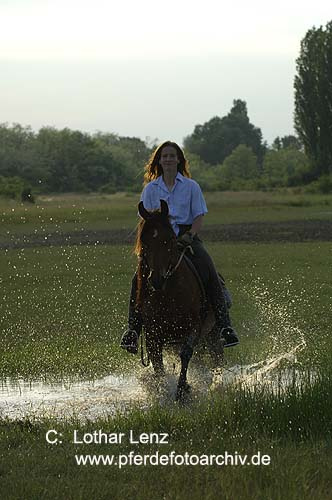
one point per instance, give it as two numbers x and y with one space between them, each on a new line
118 394
83 399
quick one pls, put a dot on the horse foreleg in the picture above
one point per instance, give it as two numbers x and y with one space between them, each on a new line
156 356
185 355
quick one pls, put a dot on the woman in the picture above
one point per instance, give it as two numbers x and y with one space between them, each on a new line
167 177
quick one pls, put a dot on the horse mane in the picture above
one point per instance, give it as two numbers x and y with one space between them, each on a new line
155 218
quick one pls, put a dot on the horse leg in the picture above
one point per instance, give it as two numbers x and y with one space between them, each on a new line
156 356
185 355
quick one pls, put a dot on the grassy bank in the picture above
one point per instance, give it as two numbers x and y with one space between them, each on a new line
70 212
293 431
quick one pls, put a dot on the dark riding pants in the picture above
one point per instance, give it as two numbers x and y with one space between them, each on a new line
211 281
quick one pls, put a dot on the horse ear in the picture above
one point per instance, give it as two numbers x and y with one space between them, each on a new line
164 208
143 212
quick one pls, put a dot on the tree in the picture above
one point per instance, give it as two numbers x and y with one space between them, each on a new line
239 170
129 155
17 156
287 141
216 139
70 160
285 167
313 98
202 172
75 160
11 187
63 151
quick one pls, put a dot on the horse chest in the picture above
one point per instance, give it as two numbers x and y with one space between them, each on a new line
170 317
159 307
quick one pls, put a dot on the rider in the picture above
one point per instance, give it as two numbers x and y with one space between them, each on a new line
167 177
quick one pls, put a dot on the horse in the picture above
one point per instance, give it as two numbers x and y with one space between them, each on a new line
169 296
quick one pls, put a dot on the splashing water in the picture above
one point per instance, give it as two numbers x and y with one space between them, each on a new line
276 373
118 394
277 369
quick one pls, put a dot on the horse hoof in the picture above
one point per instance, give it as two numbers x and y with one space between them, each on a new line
183 392
186 388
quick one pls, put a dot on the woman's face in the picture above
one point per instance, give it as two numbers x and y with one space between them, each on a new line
169 160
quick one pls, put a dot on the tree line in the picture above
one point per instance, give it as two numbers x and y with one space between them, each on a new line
229 153
67 160
225 152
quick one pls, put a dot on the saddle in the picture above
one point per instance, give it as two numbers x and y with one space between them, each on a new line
203 285
205 302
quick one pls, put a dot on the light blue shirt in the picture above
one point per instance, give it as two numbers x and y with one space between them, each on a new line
185 200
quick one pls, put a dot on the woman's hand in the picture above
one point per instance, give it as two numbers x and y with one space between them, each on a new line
185 240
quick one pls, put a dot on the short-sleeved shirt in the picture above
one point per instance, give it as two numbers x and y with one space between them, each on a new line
185 200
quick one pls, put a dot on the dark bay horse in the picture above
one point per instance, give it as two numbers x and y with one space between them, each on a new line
168 294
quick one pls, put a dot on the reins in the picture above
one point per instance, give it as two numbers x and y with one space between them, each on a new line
147 362
172 270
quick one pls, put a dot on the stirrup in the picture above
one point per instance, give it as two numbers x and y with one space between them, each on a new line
229 337
129 341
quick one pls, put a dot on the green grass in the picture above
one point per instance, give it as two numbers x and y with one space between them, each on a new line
62 313
74 296
77 297
294 431
71 212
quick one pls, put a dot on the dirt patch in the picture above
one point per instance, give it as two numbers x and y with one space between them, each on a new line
289 231
252 232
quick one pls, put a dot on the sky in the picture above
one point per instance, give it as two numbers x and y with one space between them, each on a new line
151 69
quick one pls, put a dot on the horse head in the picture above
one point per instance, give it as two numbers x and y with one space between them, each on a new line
158 244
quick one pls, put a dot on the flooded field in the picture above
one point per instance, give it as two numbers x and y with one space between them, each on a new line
119 393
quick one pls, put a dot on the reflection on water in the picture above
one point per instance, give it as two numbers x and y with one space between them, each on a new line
84 399
117 394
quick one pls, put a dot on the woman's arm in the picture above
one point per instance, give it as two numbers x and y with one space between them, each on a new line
197 224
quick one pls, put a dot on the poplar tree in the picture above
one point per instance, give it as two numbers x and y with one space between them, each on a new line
313 98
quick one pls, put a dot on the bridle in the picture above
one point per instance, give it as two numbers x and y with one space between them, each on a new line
147 216
171 268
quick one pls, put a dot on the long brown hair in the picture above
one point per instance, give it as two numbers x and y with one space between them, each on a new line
153 168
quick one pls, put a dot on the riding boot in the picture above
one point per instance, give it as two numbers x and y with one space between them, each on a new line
130 337
223 320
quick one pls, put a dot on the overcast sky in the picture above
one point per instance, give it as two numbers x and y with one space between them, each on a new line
153 69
